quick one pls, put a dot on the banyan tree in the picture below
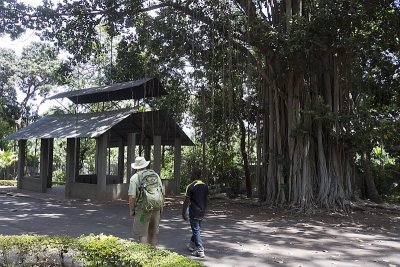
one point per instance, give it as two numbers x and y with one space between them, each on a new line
292 59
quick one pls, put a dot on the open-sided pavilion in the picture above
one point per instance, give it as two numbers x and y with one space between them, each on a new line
110 129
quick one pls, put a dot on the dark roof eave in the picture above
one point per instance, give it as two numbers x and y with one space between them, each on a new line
144 88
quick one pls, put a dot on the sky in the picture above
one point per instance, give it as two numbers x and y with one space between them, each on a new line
17 45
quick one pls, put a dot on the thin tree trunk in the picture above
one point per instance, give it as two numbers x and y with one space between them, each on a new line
265 138
369 180
324 178
280 194
245 158
272 166
203 135
291 127
259 159
288 14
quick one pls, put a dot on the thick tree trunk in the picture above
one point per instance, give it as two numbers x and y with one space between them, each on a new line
306 163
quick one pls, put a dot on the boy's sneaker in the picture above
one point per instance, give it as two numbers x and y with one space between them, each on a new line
199 253
191 246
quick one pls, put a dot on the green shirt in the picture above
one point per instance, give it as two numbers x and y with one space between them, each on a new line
134 185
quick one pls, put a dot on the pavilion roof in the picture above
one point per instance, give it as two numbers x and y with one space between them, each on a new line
119 123
144 88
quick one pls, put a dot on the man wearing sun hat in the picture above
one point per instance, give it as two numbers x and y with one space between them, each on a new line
145 220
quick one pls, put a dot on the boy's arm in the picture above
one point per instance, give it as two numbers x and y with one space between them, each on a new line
206 200
184 207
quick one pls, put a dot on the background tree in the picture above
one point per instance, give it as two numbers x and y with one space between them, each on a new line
8 98
25 81
35 74
375 83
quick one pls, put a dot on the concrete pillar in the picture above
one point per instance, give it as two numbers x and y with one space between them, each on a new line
71 165
177 166
101 167
44 163
50 167
130 156
21 162
157 154
121 150
77 152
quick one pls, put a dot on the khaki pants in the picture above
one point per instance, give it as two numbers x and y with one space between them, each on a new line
145 223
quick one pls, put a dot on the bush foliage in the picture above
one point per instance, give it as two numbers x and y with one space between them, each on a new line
8 182
92 250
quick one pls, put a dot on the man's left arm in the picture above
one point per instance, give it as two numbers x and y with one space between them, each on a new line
132 205
132 192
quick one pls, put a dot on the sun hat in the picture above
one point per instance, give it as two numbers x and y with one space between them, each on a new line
140 163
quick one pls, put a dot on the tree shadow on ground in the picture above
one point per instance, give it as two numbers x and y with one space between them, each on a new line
244 234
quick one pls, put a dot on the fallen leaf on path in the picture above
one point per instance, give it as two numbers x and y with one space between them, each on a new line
279 261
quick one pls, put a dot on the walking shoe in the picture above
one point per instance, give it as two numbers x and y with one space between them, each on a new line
191 246
199 253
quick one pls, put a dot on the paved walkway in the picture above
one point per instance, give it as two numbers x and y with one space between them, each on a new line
233 237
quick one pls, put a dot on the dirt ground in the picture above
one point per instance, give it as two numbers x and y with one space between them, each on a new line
236 232
261 236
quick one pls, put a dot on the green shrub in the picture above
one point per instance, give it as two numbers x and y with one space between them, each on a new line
59 177
7 158
92 250
8 182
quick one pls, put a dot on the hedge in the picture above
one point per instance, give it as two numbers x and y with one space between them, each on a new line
14 183
8 182
92 250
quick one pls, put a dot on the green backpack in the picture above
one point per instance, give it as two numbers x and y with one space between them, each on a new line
150 191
